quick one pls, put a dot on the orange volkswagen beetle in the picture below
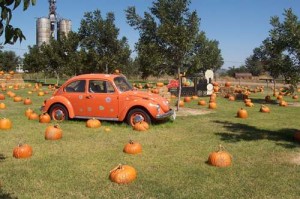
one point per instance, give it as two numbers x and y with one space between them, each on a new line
105 97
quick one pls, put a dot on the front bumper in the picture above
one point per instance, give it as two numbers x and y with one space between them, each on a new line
165 115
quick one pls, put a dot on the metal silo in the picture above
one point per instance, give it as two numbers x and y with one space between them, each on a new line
42 31
64 26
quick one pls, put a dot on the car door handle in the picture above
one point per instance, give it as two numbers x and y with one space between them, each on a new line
89 96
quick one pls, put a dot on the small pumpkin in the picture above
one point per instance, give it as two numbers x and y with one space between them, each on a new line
132 147
123 174
227 84
220 158
295 97
212 105
33 116
22 151
264 109
53 133
2 96
242 113
231 98
28 112
187 99
249 104
283 103
2 105
5 123
202 102
141 126
268 98
93 123
41 93
44 118
18 99
27 101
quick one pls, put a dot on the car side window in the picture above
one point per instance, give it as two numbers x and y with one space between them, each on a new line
76 86
100 86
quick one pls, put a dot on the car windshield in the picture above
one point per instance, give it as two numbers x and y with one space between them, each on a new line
122 84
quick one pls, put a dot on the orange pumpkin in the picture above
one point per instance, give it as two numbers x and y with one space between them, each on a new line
268 98
93 123
295 97
2 106
220 158
2 96
28 112
5 123
27 101
123 174
231 98
44 118
17 99
227 84
33 116
187 99
22 151
141 126
249 104
242 113
53 133
132 147
283 103
181 103
212 105
264 109
202 102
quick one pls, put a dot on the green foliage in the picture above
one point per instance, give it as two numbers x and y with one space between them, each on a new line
8 60
170 40
11 33
104 52
254 63
232 70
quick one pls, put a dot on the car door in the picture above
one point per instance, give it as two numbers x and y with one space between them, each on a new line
75 92
102 100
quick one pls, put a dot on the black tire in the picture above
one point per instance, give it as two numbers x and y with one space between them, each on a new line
137 112
59 112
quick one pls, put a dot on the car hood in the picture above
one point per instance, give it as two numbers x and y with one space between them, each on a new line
155 98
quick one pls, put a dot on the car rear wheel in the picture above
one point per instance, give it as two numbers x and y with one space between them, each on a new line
59 112
136 115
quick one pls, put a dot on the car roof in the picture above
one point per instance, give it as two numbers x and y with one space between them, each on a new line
94 75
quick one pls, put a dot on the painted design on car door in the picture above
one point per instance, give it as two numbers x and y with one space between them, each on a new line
75 93
103 101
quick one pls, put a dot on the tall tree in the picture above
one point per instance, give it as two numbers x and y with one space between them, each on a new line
282 48
99 40
254 63
35 60
11 33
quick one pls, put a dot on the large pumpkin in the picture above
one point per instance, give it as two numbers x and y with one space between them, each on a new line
5 123
242 113
53 133
123 174
22 151
132 147
220 158
141 126
93 123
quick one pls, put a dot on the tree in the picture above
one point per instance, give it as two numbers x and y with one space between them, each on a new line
34 61
254 63
281 50
8 60
99 41
11 33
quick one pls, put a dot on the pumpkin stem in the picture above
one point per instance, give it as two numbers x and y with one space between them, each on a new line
130 141
221 148
116 168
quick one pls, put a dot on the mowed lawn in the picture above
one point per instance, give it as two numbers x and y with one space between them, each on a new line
173 164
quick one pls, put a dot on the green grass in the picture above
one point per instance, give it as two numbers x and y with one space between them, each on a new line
173 162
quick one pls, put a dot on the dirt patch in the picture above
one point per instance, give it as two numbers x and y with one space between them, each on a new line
296 159
191 111
294 104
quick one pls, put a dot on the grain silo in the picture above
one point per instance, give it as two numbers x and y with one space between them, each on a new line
42 31
64 26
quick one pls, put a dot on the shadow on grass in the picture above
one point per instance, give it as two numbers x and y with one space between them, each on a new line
2 157
4 195
243 132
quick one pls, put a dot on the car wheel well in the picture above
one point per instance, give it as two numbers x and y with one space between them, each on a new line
141 108
55 104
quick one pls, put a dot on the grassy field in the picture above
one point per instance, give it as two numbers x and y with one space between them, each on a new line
173 164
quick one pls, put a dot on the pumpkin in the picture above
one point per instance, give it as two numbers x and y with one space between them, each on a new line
212 105
107 129
242 113
227 84
216 88
28 112
247 100
53 133
231 98
141 126
33 116
93 123
249 104
268 98
132 147
5 123
194 97
17 99
44 118
264 109
123 174
187 99
220 158
297 136
27 101
2 106
41 93
181 103
202 102
279 97
22 151
2 96
283 103
160 84
295 97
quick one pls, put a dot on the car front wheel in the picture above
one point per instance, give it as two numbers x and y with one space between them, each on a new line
59 112
136 115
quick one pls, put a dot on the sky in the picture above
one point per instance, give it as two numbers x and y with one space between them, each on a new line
238 25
